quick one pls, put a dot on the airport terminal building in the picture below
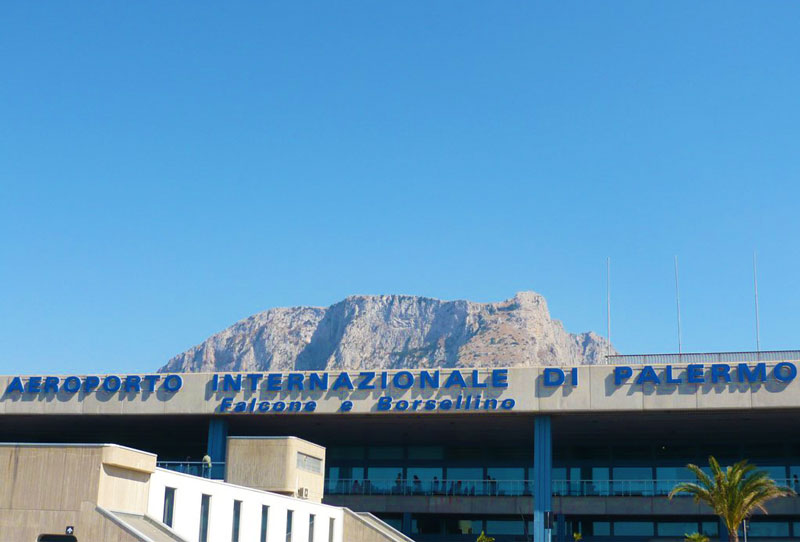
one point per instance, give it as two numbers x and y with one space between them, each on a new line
442 454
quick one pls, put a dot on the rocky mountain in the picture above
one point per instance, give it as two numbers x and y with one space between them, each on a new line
392 332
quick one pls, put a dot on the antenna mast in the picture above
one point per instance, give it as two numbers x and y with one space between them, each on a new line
755 288
678 304
608 304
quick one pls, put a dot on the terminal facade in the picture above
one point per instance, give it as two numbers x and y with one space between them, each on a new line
523 454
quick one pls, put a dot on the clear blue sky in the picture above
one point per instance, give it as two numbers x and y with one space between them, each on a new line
168 168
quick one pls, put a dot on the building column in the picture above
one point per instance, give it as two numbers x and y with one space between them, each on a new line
542 483
217 439
562 529
406 523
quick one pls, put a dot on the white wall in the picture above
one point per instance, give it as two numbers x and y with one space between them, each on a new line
186 515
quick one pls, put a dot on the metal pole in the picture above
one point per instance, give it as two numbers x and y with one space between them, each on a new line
608 305
678 305
755 288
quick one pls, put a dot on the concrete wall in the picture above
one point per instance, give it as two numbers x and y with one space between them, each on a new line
360 530
45 488
90 526
270 464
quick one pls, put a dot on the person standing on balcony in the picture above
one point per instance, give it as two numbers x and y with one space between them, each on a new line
206 466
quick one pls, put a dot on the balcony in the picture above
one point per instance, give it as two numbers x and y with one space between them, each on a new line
214 471
507 488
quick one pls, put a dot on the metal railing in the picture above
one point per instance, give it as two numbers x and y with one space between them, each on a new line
697 357
510 488
466 488
215 471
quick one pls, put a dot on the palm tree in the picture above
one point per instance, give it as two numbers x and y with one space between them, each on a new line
734 493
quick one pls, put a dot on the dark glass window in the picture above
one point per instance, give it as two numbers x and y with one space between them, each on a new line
169 505
311 518
505 480
385 452
384 479
289 519
426 525
463 526
768 529
264 522
331 529
633 528
504 526
425 452
601 528
237 516
710 528
676 528
205 505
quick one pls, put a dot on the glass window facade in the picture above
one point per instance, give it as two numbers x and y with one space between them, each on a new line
289 524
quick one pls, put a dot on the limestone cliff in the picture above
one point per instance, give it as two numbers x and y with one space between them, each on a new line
394 331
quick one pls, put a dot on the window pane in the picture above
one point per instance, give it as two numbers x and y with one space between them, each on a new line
794 478
667 477
463 481
383 480
237 511
424 480
505 481
426 525
710 528
331 529
676 528
345 452
343 480
463 526
385 452
632 480
601 528
504 526
169 505
777 473
426 452
633 528
768 528
205 504
289 520
264 522
311 527
599 483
